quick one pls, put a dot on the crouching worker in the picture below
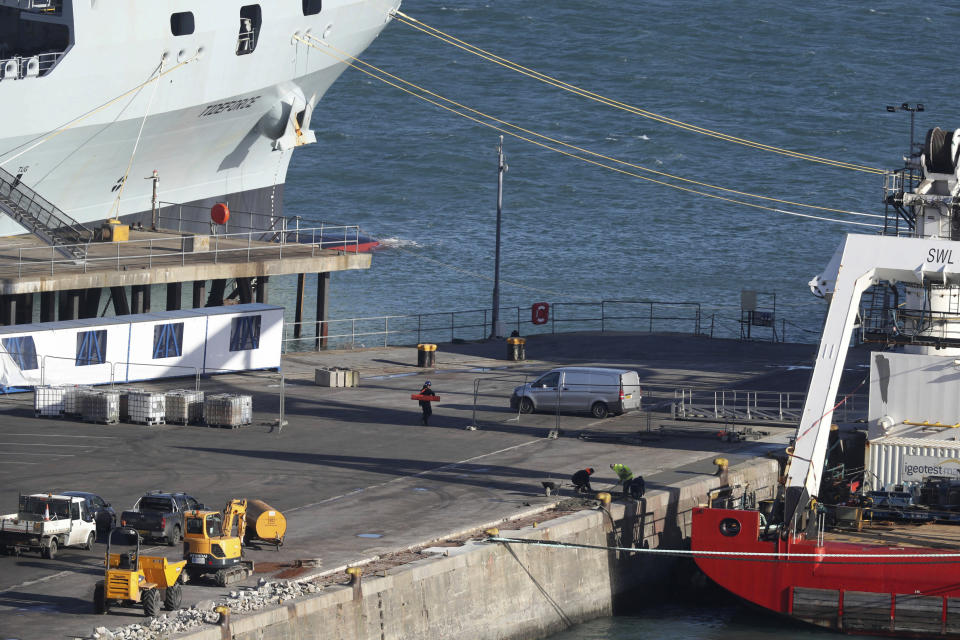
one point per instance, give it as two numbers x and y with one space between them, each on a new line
581 480
633 487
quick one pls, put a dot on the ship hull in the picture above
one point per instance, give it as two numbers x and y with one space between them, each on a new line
216 127
890 595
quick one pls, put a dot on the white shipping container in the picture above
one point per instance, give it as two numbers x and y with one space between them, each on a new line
228 410
147 407
48 400
906 461
184 406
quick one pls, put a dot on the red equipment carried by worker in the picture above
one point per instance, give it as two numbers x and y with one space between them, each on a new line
539 313
420 396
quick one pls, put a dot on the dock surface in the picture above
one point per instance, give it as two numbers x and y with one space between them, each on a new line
353 470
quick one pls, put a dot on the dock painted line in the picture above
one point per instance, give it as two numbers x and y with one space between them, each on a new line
35 444
413 475
57 435
37 581
49 455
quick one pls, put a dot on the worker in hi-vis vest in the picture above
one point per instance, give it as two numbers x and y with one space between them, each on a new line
634 487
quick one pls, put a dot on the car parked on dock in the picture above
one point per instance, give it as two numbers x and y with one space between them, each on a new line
103 513
600 391
158 515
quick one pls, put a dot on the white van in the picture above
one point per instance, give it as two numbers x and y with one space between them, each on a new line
597 390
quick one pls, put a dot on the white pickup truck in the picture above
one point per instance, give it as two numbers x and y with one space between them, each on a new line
46 523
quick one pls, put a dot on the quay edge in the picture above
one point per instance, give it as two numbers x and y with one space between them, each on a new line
509 592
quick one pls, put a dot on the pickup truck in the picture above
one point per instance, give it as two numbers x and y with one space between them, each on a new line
47 522
158 515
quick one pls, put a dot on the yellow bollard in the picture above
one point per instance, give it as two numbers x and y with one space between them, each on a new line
604 498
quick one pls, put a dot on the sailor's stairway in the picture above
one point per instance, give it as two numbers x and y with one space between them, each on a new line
55 228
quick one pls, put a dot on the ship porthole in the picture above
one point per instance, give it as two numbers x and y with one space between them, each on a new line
730 527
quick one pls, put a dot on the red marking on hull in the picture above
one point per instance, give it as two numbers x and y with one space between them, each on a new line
363 247
770 581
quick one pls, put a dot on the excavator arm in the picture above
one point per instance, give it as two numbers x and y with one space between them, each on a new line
235 511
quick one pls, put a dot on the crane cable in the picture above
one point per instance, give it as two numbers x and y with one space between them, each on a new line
541 77
514 134
154 77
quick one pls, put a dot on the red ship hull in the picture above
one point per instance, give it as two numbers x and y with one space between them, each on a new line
892 594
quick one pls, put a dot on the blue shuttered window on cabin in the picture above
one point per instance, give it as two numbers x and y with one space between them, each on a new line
91 347
245 333
23 351
168 340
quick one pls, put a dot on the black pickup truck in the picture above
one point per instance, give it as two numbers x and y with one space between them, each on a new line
159 515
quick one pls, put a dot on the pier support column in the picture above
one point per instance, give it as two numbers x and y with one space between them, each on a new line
323 308
121 306
298 306
140 298
24 312
90 303
262 282
69 305
217 288
174 296
48 306
7 310
245 290
199 293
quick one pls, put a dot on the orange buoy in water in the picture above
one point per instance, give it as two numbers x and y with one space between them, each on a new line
220 213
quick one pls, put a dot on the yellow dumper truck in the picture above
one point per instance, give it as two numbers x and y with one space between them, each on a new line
131 577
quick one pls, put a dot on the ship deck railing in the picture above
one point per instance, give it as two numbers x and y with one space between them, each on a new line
28 66
169 249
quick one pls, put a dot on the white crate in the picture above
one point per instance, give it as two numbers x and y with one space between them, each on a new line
184 406
100 406
228 410
147 407
124 400
72 405
48 400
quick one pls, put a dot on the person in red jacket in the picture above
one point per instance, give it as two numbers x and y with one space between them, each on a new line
427 390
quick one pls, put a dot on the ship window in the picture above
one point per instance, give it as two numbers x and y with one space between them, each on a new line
181 24
91 347
245 333
249 29
23 351
311 7
168 340
730 527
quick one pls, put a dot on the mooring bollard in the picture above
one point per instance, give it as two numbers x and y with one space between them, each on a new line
516 349
426 355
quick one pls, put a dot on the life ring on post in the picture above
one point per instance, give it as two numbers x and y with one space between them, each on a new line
539 313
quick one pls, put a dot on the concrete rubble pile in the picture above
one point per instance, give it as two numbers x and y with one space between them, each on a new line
172 623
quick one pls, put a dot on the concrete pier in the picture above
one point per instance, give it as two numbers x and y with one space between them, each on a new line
359 479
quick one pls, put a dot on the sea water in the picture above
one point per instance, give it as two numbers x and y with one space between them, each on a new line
814 78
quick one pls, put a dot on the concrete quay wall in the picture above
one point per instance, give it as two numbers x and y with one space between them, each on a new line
507 591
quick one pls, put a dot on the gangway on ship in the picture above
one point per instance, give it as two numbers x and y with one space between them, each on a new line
44 220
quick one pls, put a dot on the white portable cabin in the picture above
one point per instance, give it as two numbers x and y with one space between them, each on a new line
142 347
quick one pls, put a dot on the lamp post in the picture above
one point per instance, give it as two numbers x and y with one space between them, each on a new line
495 330
914 109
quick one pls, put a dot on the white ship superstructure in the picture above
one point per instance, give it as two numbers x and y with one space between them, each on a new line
213 96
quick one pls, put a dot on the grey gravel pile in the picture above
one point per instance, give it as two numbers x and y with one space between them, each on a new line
172 623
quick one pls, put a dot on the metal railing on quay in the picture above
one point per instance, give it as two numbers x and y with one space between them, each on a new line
160 249
476 324
755 406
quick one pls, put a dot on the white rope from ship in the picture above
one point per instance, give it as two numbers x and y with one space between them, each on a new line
45 137
525 138
818 558
115 207
536 75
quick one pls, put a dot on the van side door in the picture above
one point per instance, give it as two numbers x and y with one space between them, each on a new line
575 392
544 390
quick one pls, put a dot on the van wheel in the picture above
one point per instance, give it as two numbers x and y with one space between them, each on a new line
526 405
91 539
50 552
599 410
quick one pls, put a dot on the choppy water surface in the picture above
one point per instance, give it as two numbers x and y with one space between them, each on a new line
811 77
814 78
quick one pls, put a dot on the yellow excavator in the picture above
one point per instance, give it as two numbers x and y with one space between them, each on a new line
213 543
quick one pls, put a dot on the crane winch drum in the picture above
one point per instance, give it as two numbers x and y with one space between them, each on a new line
265 524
